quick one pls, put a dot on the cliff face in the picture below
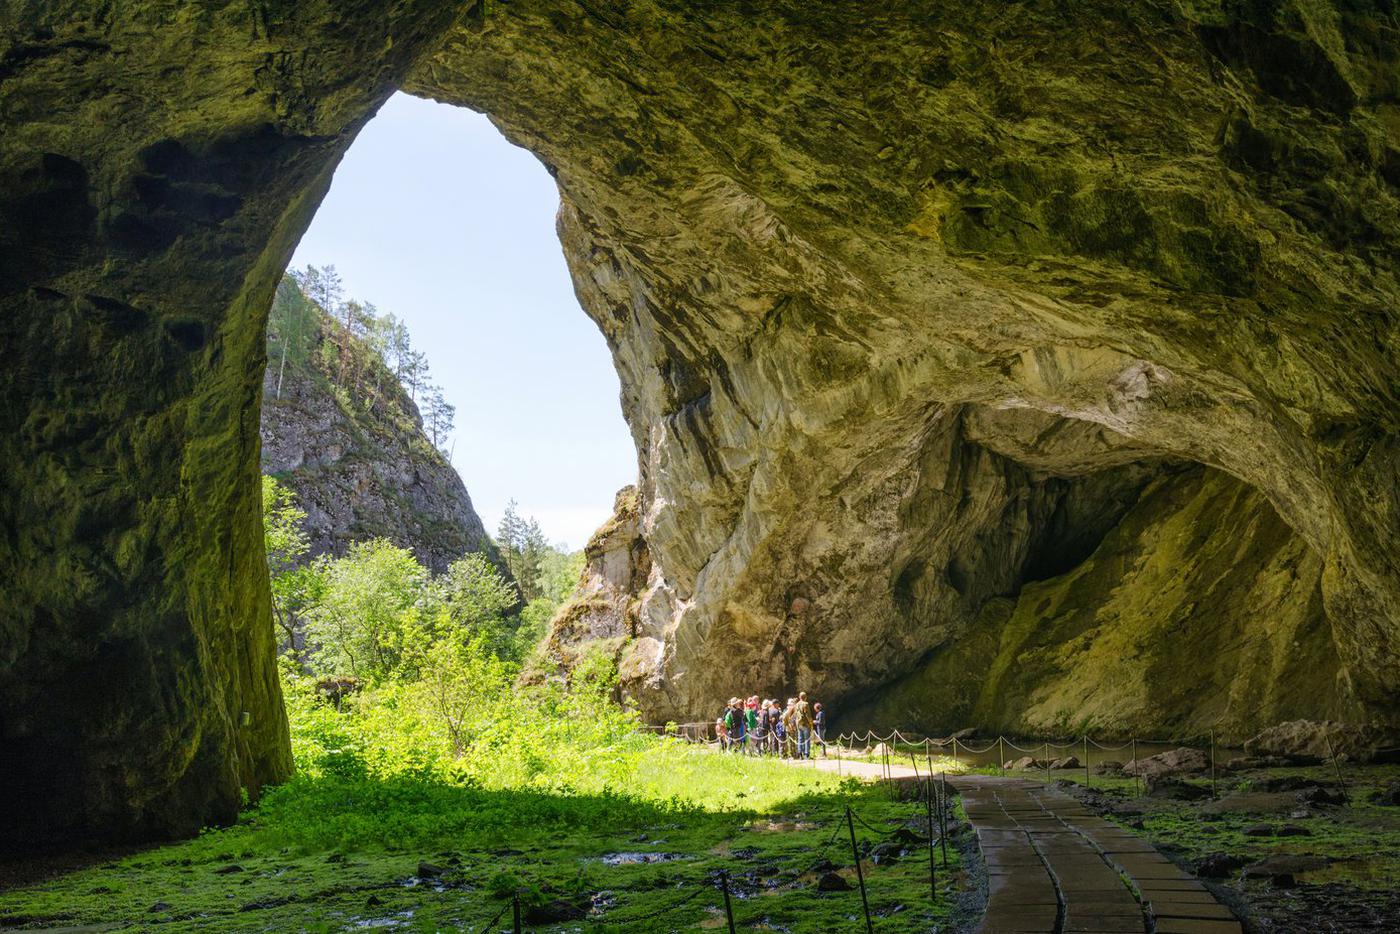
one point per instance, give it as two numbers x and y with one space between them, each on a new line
601 615
361 467
1200 610
897 294
916 310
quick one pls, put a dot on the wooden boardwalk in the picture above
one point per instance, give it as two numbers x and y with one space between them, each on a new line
1053 867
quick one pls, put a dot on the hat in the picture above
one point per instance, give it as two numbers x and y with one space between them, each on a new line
733 701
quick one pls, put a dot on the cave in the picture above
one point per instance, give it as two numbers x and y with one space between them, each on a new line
956 342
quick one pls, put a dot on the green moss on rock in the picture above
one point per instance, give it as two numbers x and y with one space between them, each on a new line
1200 611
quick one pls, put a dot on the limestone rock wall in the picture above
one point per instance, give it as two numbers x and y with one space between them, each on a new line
157 164
810 233
825 241
1201 610
601 616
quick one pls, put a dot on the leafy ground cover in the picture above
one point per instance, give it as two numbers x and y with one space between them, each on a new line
418 814
333 854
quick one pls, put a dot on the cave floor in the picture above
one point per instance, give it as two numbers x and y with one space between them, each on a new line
415 858
1270 849
1275 847
1054 865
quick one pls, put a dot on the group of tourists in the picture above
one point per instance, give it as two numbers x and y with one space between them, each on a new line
764 728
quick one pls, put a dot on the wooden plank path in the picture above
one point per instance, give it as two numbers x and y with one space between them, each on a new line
1053 867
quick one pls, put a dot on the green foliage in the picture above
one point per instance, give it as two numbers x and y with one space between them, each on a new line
331 842
369 608
523 548
295 585
559 574
292 328
474 598
364 356
462 719
283 536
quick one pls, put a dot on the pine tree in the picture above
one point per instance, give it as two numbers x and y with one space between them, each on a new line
438 416
523 546
399 346
415 372
323 286
350 314
292 324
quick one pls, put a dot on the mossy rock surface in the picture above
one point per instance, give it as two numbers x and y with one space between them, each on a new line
908 305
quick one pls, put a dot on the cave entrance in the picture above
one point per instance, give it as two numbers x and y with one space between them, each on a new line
442 235
436 405
807 294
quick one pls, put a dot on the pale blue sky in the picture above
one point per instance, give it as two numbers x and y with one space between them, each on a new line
435 217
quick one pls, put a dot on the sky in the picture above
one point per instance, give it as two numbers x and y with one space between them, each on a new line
435 217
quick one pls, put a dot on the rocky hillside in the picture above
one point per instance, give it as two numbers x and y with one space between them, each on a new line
357 457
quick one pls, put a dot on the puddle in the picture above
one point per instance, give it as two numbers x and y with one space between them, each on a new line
393 921
639 859
602 902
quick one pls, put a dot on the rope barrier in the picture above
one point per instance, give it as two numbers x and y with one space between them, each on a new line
1018 748
836 829
977 752
652 912
899 737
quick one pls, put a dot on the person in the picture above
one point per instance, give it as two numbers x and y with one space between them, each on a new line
790 729
719 733
751 724
819 724
780 734
760 730
734 724
774 728
802 720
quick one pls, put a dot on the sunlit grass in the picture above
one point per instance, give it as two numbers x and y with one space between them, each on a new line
327 854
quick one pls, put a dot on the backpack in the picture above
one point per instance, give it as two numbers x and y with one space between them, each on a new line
734 720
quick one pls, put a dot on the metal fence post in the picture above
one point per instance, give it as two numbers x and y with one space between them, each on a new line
943 817
860 876
932 873
515 912
728 910
1137 777
1086 760
1337 766
1212 764
1001 754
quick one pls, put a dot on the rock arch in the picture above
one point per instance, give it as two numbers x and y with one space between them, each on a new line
865 273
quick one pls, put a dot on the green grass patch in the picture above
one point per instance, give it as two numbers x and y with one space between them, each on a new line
334 854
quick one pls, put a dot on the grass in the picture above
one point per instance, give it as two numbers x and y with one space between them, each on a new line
1360 838
333 854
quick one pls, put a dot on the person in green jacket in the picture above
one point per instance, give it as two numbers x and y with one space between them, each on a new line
751 723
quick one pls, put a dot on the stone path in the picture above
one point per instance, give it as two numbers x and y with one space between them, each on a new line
1053 867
